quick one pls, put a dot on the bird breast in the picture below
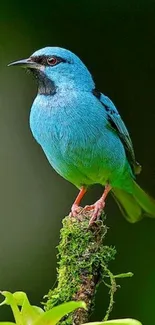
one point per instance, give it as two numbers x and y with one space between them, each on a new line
74 134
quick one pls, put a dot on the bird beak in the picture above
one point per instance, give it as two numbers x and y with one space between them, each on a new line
26 63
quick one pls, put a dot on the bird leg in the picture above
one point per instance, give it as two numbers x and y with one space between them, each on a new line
75 209
98 206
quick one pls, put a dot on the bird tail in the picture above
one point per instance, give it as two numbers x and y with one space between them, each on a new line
134 206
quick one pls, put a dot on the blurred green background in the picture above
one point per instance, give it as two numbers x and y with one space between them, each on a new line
116 40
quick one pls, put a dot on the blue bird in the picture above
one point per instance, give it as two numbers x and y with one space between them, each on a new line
82 134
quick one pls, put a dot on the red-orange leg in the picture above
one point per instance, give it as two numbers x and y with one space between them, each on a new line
75 207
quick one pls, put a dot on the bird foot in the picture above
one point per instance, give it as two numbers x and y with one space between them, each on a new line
75 209
97 208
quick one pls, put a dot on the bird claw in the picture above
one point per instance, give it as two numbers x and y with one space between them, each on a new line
75 209
89 207
98 208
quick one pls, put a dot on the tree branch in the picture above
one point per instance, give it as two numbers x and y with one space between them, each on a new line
82 264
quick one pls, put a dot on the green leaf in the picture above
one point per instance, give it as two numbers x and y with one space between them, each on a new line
7 323
38 310
125 321
20 297
53 316
10 300
29 313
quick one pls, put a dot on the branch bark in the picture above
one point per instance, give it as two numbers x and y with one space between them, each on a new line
82 264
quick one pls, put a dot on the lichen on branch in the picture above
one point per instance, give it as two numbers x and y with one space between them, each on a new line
82 264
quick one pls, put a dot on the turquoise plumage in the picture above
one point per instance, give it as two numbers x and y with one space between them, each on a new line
82 133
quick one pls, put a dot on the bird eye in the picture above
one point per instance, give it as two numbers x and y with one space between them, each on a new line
52 61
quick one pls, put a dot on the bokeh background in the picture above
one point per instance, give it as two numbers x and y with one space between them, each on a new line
116 40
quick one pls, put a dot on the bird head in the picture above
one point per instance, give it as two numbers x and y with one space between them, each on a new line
57 68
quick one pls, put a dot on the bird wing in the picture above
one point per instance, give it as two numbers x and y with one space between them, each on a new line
118 125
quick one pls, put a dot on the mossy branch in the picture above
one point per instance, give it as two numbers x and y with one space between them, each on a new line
82 264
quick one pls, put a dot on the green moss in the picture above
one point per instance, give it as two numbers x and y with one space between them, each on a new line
82 262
